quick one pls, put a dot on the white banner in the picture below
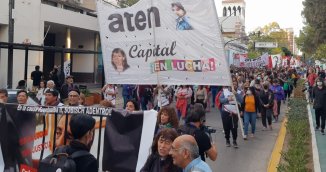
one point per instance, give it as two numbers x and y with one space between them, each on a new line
163 41
239 60
266 45
276 60
257 62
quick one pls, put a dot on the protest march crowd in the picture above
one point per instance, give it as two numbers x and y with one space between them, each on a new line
182 141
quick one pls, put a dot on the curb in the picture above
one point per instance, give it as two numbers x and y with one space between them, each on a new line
276 153
315 154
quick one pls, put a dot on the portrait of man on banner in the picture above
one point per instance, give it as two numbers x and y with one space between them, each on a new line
119 60
182 20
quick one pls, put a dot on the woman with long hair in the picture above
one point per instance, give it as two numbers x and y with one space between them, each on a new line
159 160
249 106
166 118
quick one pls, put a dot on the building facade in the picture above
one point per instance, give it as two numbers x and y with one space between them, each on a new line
58 23
232 25
233 18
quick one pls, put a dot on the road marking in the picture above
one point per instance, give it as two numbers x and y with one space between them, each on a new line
276 153
315 154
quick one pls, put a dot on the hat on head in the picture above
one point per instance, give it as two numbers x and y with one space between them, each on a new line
53 92
75 90
81 124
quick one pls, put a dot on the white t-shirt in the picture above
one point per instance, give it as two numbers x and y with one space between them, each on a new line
108 97
40 95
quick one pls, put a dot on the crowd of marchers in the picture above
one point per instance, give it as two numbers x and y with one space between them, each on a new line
181 139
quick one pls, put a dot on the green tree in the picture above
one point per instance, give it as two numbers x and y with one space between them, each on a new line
305 41
313 36
321 52
271 32
314 13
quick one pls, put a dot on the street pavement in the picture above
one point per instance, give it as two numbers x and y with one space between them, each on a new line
253 155
321 140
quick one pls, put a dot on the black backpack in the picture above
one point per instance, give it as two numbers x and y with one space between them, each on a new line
61 161
185 129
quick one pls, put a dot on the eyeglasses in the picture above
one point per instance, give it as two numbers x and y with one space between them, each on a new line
176 149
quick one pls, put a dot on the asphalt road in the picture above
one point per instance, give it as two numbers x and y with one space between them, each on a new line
253 155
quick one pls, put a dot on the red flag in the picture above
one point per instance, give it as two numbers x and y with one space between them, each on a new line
270 63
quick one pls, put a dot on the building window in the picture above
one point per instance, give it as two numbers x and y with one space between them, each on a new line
73 9
51 3
91 14
224 11
235 11
239 9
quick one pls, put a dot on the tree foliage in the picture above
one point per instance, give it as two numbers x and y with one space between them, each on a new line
321 52
271 32
305 41
314 13
313 36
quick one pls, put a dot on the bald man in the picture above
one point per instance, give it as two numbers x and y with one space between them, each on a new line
185 154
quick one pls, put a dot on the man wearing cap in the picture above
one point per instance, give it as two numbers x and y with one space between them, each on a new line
51 98
73 97
82 130
66 88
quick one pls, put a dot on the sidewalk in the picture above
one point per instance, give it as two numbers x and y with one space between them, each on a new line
321 141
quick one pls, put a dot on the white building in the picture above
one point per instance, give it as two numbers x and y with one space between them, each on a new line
233 18
59 23
232 25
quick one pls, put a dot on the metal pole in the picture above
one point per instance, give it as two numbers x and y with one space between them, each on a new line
71 62
26 63
10 40
62 64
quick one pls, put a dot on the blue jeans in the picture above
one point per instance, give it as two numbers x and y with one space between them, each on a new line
250 117
214 93
143 103
125 99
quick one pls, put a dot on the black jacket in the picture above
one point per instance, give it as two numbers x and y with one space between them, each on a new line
65 89
84 163
319 96
266 98
155 164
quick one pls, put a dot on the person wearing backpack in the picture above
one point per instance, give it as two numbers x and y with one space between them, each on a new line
74 157
195 121
230 119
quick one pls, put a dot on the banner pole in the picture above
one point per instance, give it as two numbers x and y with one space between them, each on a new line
228 68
